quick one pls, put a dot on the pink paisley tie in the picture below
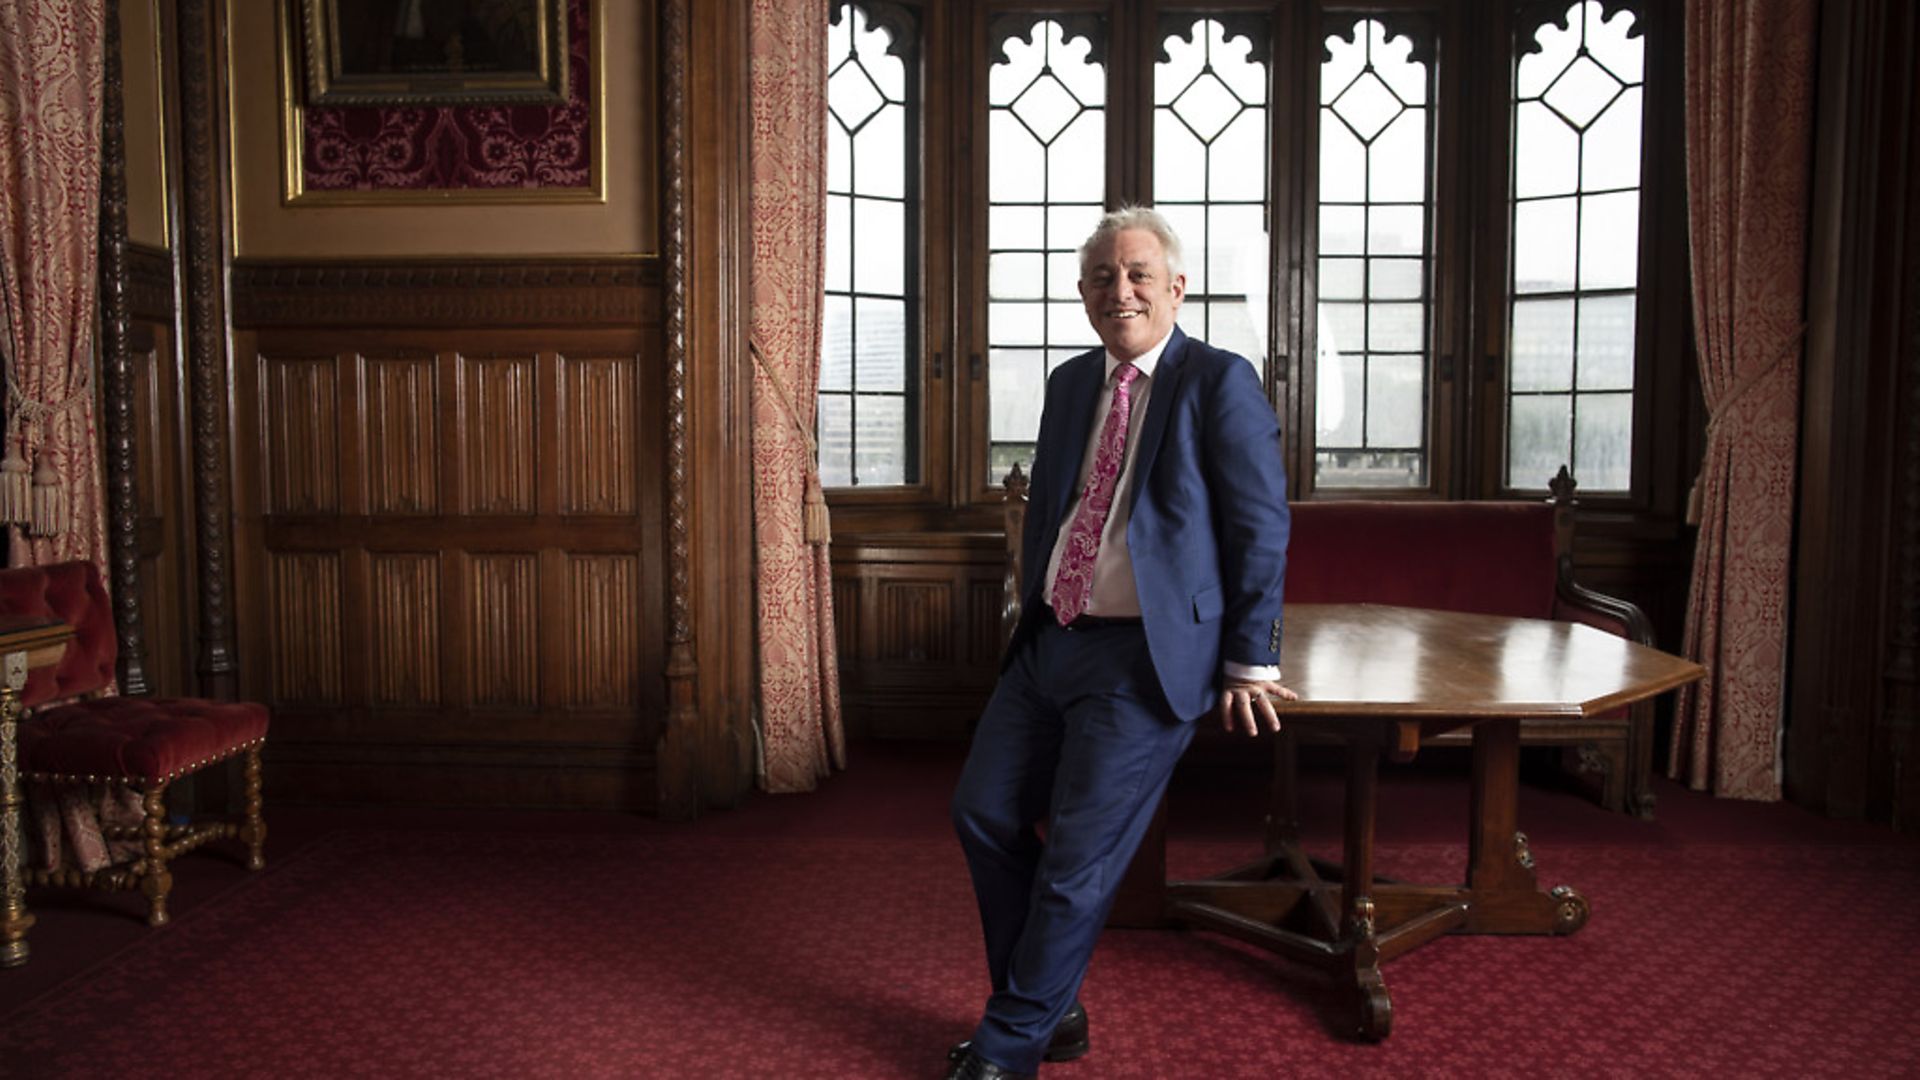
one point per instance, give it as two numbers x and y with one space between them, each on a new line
1073 587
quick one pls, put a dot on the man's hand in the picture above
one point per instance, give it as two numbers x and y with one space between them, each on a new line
1246 705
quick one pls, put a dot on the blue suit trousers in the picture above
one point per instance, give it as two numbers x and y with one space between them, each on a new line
1067 767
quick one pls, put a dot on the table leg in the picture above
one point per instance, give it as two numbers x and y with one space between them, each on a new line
1362 948
14 917
1505 897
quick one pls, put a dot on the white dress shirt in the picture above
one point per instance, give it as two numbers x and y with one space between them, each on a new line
1114 594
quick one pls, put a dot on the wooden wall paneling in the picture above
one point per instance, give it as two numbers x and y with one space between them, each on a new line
307 630
603 642
597 398
919 625
504 629
405 613
163 533
303 438
490 646
401 411
498 431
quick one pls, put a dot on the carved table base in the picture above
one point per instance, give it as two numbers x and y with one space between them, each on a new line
1342 919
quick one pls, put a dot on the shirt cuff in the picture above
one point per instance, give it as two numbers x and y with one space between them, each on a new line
1250 672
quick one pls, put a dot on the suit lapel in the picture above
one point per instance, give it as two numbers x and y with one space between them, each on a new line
1064 455
1166 386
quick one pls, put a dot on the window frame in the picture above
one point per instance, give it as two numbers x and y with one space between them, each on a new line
1475 50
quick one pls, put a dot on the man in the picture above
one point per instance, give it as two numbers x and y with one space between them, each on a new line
1155 549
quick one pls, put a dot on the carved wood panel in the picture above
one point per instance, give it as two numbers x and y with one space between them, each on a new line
599 451
306 630
160 525
406 629
918 627
303 456
503 593
603 638
402 440
497 446
915 622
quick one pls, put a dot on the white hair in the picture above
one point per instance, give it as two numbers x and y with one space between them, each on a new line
1135 217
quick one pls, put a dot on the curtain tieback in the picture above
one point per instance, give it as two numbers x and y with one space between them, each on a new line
817 529
1740 388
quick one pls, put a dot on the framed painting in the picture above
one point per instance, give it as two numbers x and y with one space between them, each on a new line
435 52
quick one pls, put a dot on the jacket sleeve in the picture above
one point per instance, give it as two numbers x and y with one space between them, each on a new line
1247 486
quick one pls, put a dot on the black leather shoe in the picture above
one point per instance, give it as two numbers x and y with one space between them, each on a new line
1069 1040
972 1066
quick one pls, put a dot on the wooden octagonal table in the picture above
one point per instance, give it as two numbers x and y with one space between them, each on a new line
1376 679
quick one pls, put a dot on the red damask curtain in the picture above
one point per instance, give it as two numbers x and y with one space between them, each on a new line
799 681
1750 107
51 69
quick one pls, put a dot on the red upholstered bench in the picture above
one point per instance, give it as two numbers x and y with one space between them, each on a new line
73 736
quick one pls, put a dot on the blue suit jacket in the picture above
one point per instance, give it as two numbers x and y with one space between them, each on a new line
1208 535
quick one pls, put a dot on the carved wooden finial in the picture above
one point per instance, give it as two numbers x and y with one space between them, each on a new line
1562 486
1016 482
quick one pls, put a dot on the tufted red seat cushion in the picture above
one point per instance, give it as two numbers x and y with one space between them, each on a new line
151 739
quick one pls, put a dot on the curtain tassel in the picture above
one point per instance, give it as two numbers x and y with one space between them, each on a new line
818 530
49 499
15 487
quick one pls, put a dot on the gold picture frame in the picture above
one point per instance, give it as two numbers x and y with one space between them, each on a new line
292 128
435 52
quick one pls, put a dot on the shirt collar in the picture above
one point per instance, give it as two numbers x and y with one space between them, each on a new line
1146 361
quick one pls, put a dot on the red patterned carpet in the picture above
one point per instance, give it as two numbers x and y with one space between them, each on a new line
834 935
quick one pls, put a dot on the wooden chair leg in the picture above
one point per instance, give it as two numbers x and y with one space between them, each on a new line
254 831
157 881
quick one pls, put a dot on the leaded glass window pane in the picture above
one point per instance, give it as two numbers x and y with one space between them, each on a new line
1577 126
1210 130
1375 296
1046 187
868 415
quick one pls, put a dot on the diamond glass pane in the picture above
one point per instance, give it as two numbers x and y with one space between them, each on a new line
1046 108
852 97
1367 106
1207 106
1582 91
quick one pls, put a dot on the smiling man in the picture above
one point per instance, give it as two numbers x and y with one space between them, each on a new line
1158 510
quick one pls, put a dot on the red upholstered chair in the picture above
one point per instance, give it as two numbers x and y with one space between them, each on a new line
72 735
